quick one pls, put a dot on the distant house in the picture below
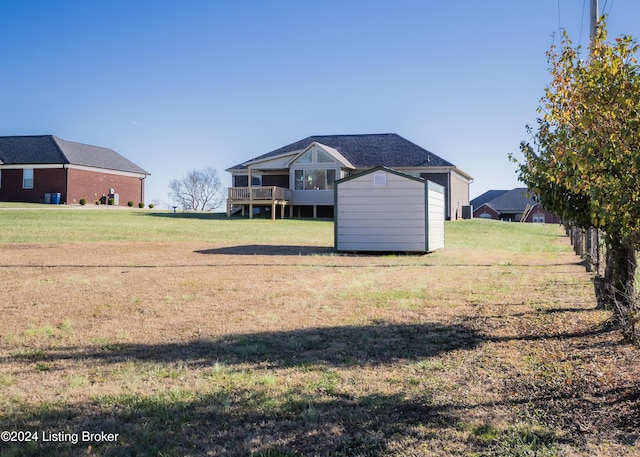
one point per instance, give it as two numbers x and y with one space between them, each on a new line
301 175
35 168
512 206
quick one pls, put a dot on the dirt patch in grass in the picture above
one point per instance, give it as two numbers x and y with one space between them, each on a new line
189 348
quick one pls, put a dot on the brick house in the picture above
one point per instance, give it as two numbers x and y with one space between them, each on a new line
33 168
512 206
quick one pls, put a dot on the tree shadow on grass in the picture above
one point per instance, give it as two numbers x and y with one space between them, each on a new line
240 414
240 422
346 346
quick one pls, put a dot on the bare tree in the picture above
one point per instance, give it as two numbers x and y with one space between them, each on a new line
200 190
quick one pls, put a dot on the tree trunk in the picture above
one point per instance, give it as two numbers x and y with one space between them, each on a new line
619 284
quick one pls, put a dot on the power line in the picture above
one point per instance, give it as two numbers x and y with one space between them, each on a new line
559 17
610 6
581 22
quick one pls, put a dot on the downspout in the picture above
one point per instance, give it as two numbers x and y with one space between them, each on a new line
449 192
250 194
66 183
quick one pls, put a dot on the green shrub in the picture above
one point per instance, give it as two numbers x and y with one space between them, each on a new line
151 205
111 201
130 203
97 202
141 205
83 201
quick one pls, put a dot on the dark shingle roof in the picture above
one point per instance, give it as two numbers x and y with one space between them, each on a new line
515 200
486 197
48 149
366 151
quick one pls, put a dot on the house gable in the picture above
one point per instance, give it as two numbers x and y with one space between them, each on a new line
321 154
315 168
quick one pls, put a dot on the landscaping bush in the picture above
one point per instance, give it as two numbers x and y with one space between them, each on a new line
111 201
130 203
83 201
151 205
98 202
141 205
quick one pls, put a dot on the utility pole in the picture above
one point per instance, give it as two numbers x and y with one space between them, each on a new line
594 22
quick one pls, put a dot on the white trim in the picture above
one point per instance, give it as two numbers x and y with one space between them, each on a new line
328 149
30 165
105 170
268 159
53 166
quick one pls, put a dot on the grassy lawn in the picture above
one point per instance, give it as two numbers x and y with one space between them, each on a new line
192 334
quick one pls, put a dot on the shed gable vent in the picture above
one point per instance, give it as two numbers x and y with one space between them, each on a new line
380 179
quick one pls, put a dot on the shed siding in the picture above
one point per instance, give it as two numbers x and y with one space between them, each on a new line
387 217
435 206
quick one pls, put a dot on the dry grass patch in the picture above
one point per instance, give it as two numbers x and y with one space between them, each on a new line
489 347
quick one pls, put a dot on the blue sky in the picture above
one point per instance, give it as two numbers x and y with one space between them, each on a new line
177 86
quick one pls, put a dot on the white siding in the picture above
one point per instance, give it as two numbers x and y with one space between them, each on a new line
387 217
435 205
312 197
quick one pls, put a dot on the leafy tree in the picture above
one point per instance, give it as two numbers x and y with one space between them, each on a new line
200 190
584 159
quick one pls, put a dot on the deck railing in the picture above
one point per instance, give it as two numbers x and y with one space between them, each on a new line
262 194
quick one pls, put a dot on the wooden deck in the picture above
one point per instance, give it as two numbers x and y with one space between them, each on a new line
248 197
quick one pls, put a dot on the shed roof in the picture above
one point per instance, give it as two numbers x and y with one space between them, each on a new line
381 168
48 149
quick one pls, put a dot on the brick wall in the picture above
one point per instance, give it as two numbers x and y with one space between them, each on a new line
92 185
45 180
483 210
72 184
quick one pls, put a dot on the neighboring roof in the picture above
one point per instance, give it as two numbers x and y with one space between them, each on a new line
486 197
48 149
366 151
513 201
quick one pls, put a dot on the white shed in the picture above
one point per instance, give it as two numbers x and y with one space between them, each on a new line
384 210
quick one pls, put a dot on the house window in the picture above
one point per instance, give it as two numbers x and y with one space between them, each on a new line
323 157
314 179
317 177
315 155
307 157
27 178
